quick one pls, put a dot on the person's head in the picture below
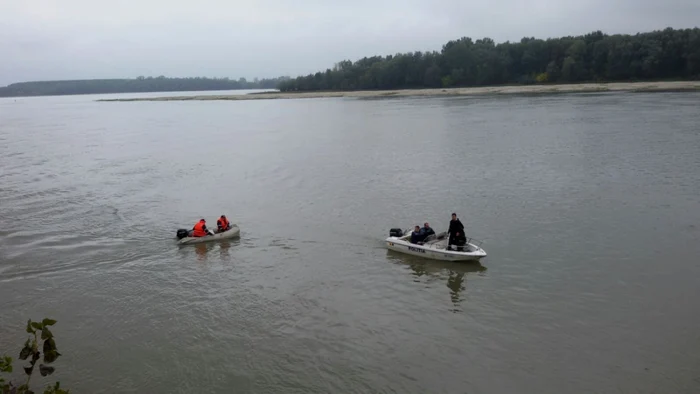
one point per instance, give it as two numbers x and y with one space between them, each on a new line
454 216
426 225
223 216
417 228
202 220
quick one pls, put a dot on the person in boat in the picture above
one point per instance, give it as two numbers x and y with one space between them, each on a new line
456 232
416 235
200 229
426 231
223 224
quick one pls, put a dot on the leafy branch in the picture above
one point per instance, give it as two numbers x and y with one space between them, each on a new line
30 351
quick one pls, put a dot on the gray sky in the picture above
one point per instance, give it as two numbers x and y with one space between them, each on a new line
78 39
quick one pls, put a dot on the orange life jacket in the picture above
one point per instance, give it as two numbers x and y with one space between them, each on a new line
222 223
198 230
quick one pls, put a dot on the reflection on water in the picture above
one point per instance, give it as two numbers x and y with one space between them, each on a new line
224 247
203 250
426 270
576 197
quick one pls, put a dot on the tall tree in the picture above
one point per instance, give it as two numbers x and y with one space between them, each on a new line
666 54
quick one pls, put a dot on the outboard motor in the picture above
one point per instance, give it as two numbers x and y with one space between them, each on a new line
182 233
396 232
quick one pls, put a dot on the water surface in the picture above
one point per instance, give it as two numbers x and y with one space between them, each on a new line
588 206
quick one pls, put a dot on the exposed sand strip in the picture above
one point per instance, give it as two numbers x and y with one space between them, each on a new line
676 86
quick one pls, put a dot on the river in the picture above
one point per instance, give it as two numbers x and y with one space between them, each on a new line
588 206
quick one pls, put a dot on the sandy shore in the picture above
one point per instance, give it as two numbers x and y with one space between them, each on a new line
529 89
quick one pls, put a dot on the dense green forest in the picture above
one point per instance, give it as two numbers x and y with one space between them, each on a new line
597 57
671 54
140 84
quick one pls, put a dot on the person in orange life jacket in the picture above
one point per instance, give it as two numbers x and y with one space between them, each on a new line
200 229
222 224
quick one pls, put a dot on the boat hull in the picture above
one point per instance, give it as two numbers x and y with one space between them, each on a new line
435 251
231 233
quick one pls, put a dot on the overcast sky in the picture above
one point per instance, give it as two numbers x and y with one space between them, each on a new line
79 39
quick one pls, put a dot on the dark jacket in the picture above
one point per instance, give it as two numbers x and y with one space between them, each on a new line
456 227
425 232
416 237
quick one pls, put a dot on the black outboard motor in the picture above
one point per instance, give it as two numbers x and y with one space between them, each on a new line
396 232
182 233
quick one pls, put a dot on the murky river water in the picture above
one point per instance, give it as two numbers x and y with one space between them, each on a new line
588 206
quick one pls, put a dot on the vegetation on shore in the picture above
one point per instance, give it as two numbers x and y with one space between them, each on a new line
30 352
137 85
670 54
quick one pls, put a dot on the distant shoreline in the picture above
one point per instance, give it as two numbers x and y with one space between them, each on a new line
160 84
675 86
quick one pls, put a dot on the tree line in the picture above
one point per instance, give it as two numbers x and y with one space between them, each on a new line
136 85
594 57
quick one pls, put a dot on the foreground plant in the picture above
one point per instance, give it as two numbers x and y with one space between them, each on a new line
31 351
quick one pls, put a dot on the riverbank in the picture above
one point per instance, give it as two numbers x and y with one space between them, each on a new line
675 86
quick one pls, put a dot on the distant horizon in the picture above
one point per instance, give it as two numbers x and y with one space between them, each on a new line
137 77
321 67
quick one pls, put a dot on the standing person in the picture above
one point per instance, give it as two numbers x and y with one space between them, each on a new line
456 232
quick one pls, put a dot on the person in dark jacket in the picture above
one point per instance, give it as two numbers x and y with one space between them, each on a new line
416 236
456 232
426 231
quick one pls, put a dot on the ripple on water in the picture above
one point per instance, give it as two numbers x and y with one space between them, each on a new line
309 300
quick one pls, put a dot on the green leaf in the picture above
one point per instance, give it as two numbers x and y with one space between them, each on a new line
26 351
29 326
48 322
46 334
38 326
6 364
55 389
45 370
50 352
51 356
49 345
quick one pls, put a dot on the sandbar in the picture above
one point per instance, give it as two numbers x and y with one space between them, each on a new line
669 86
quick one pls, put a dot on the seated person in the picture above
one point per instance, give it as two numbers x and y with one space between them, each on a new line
200 229
426 231
416 236
223 224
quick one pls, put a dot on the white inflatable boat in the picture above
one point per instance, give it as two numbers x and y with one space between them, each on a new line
233 232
